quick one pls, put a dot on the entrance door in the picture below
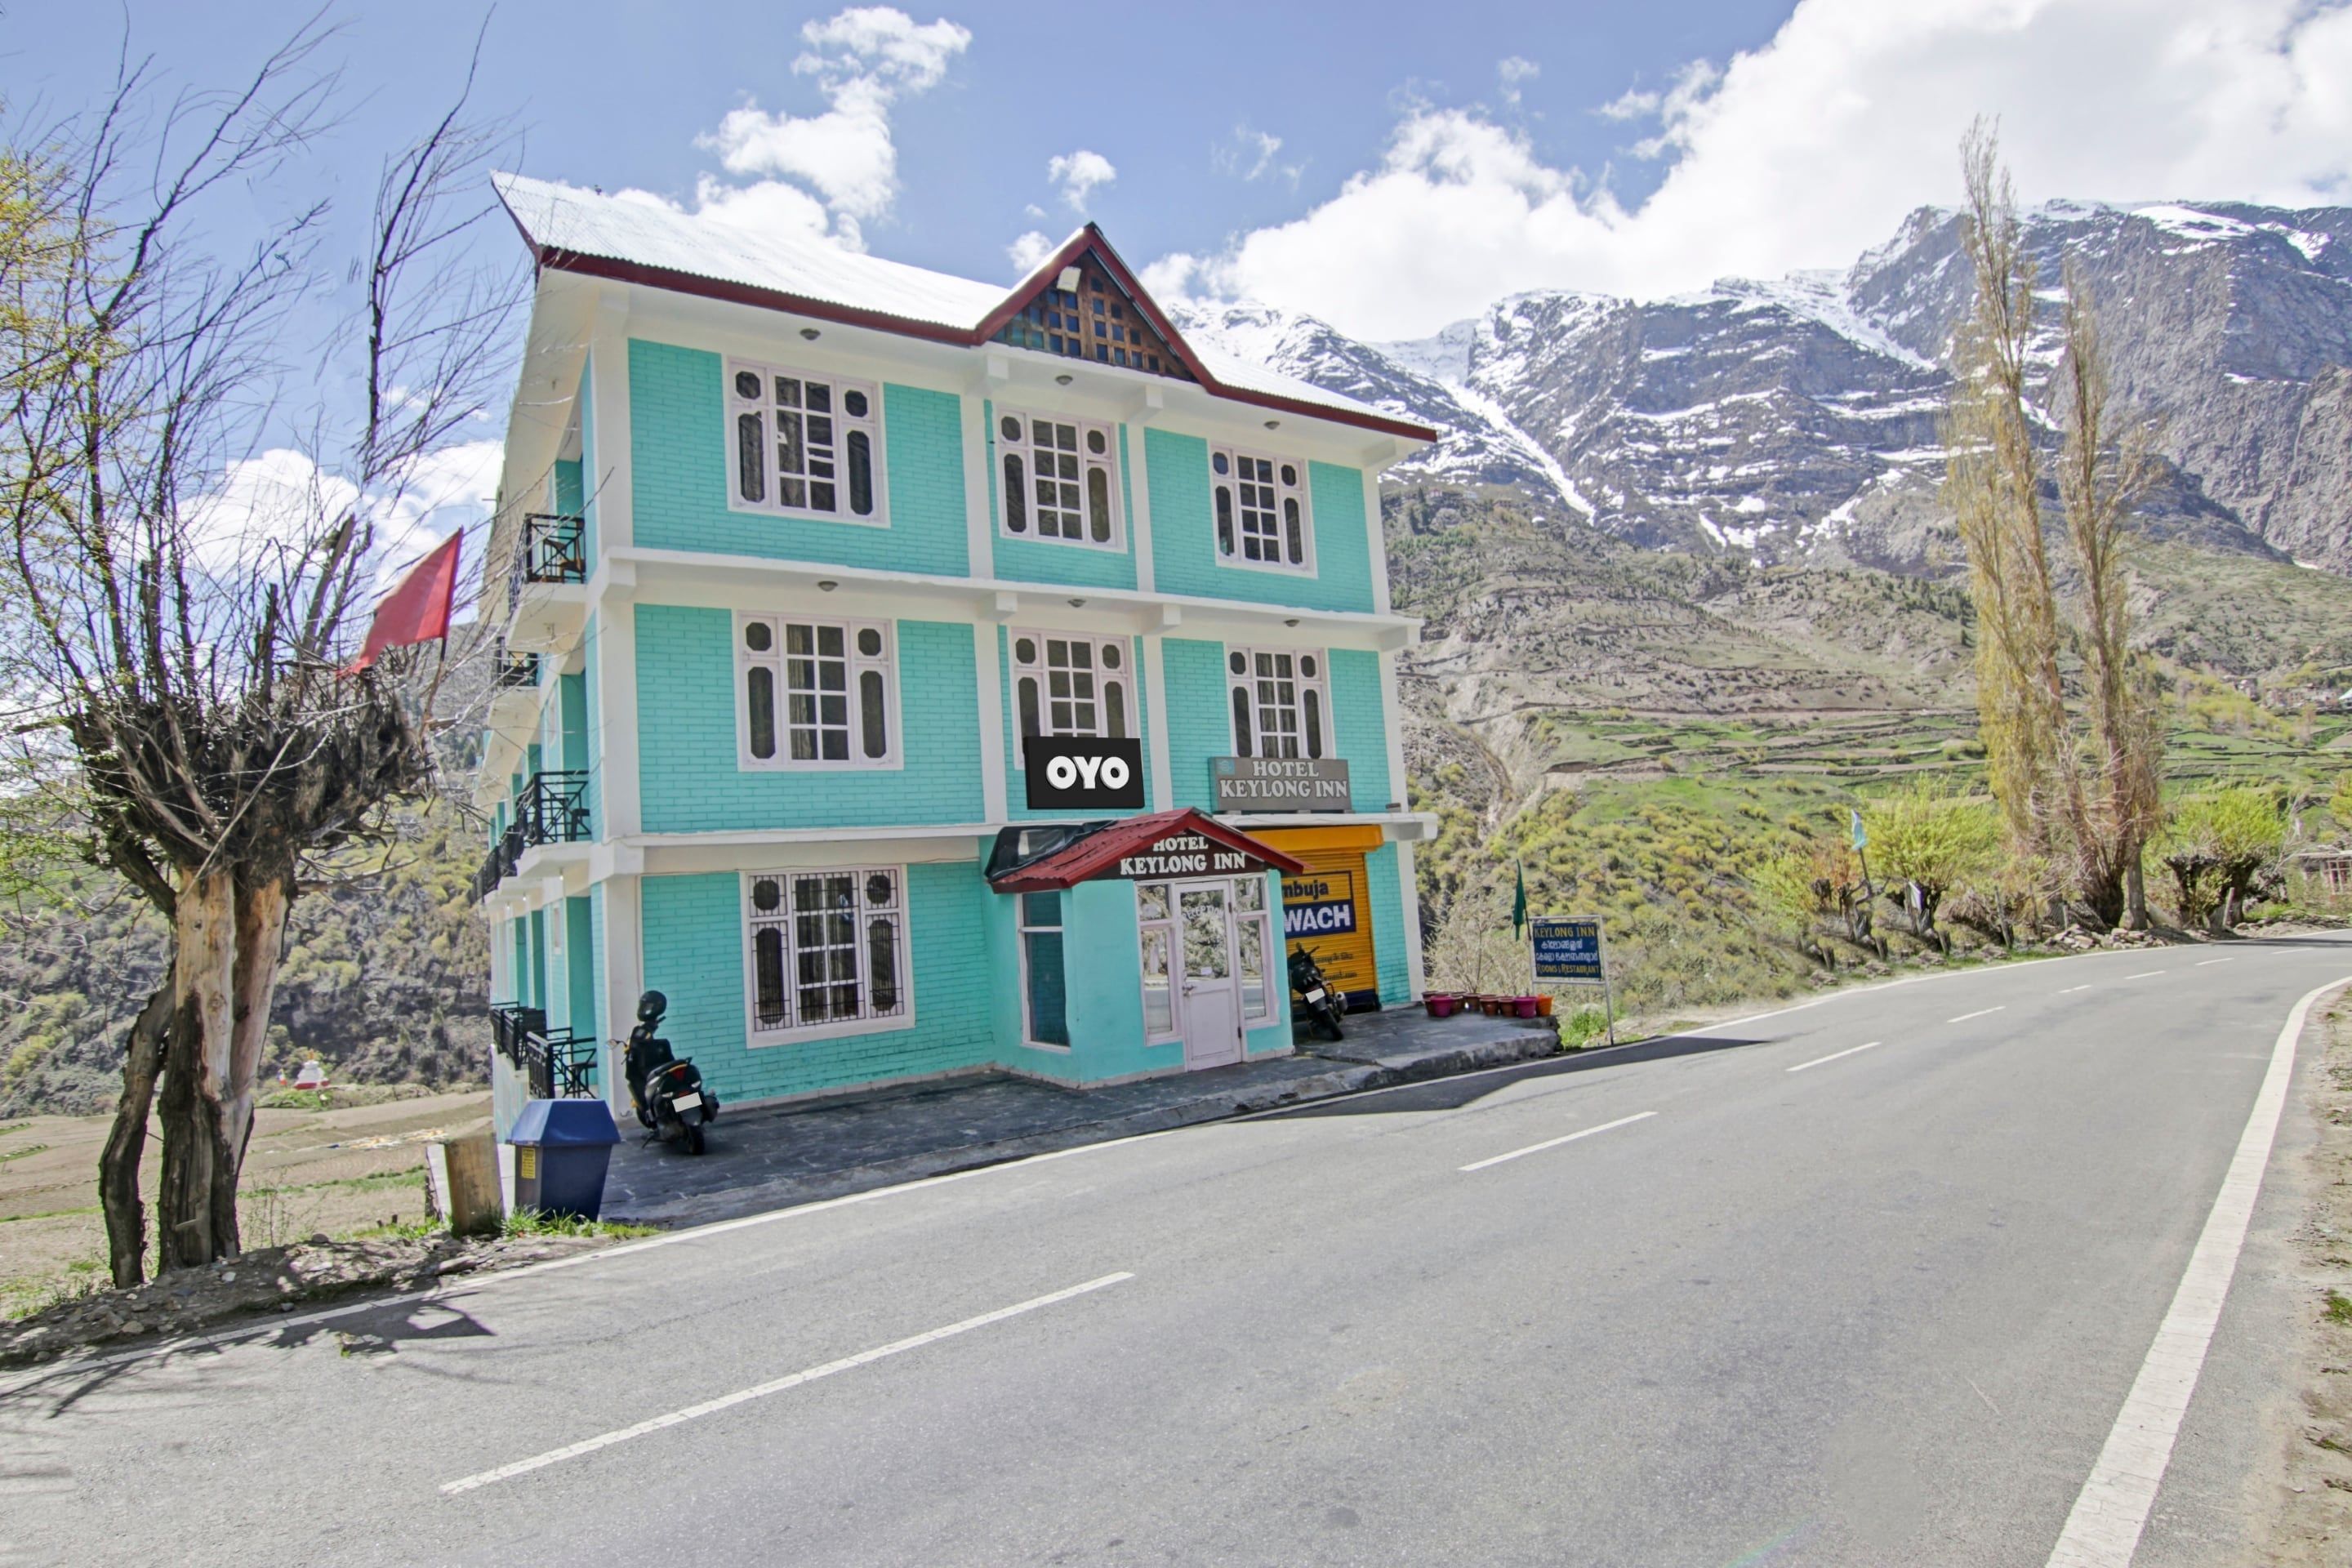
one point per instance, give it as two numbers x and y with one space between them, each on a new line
1212 1010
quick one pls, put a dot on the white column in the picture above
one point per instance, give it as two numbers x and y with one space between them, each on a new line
624 976
1408 889
980 542
991 708
1377 544
1155 695
1138 522
618 776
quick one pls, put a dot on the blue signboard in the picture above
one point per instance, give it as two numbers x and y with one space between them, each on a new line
1567 947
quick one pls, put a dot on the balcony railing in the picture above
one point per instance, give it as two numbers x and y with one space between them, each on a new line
553 548
551 810
556 1064
554 808
517 670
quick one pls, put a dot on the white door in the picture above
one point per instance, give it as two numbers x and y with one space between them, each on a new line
1212 1009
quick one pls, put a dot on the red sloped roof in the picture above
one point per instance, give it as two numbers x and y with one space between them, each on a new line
1098 851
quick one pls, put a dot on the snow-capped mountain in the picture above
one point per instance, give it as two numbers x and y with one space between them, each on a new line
1797 419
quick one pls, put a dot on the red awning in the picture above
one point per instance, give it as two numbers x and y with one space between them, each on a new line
1098 851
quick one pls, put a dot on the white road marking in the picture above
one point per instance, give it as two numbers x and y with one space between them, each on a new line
2203 962
2144 974
1833 1056
761 1391
2072 989
1978 1014
2104 1530
1556 1143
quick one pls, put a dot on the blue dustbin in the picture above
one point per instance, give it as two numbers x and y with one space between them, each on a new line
562 1147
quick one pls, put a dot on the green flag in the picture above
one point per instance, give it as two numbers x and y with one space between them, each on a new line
1519 901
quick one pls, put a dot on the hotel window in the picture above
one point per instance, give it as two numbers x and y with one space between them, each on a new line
1253 942
1261 512
801 445
1156 930
828 950
1045 986
1281 702
1057 478
814 694
1073 685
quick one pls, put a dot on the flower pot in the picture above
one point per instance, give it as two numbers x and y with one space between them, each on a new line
1523 1006
1440 1004
1543 1006
1493 1006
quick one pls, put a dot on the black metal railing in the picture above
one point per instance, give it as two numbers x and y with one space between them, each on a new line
554 808
556 1064
551 548
500 864
517 670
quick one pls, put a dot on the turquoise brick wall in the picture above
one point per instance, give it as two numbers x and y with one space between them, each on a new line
586 478
1183 539
1072 565
1360 726
1384 891
694 952
688 780
678 455
1016 779
1201 723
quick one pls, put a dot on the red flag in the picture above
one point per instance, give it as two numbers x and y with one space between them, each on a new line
417 608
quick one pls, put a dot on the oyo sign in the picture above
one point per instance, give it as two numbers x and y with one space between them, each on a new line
1083 773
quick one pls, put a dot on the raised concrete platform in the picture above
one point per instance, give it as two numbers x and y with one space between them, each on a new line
774 1157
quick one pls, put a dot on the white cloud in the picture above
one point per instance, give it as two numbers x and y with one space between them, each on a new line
279 498
1808 150
1029 250
1514 72
1078 174
864 60
1253 155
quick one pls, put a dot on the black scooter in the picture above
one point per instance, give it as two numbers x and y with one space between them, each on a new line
1321 1005
671 1103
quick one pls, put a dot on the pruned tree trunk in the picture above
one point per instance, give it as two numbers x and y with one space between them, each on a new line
260 944
2136 897
196 1154
126 1143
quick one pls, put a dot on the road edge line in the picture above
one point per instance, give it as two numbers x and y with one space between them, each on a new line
2111 1511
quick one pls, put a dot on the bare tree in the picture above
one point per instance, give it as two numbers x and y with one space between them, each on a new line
2075 771
194 662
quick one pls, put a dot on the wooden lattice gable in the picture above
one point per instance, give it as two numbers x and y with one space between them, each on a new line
1105 320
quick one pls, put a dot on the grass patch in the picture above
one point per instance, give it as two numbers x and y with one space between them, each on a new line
535 1222
2339 1308
8 1154
14 1127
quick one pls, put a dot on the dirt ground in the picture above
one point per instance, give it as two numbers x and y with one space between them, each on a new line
2311 1527
355 1165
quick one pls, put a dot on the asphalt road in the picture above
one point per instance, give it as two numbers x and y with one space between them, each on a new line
1881 1309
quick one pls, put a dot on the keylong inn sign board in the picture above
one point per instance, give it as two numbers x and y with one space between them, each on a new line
1185 855
1279 784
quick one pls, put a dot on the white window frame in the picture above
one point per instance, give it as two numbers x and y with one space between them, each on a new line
1041 669
1274 961
1320 740
1166 925
1089 463
734 405
1021 932
1229 468
758 1034
858 665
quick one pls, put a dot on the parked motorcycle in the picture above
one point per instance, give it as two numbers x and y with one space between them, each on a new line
1321 1005
671 1103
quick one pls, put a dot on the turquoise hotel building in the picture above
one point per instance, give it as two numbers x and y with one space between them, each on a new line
796 547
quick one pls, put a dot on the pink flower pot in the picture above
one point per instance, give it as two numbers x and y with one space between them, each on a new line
1440 1004
1523 1006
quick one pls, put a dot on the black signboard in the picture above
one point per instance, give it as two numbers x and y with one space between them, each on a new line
1083 773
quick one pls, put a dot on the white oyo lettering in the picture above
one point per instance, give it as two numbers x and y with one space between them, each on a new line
1114 772
1062 773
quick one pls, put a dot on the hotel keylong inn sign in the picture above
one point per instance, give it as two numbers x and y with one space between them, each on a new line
1279 784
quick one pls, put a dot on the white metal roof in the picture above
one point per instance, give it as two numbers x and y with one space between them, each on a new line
641 231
